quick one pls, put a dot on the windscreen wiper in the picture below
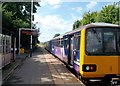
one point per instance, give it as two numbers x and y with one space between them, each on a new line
98 38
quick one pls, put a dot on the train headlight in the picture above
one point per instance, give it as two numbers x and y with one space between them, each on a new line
89 67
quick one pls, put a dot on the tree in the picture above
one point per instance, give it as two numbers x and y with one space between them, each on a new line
76 24
108 14
17 15
56 35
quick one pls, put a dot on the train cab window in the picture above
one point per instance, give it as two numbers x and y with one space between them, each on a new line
102 41
109 42
94 41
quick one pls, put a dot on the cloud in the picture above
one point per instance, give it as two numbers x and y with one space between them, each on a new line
75 17
49 2
91 5
52 24
77 9
56 6
53 2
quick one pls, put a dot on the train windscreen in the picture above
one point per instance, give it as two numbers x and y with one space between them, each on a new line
103 41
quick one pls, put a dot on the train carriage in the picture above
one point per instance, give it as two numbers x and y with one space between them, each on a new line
5 53
93 51
57 46
100 51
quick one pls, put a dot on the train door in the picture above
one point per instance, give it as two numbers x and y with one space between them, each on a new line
53 46
50 46
76 51
62 49
66 49
71 49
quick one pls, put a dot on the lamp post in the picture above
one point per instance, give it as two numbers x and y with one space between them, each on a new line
31 29
19 42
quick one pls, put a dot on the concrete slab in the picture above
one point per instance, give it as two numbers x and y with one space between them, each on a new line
43 69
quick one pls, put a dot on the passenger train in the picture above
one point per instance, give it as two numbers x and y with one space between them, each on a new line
5 50
93 51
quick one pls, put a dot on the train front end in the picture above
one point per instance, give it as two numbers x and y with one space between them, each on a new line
100 52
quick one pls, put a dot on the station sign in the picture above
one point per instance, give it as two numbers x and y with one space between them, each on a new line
29 32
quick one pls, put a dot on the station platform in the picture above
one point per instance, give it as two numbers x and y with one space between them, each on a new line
42 69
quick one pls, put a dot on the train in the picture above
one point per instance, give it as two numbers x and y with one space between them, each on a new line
5 50
92 50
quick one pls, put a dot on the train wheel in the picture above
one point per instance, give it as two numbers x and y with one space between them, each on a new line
86 82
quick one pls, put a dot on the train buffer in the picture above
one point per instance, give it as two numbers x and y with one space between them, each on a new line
43 69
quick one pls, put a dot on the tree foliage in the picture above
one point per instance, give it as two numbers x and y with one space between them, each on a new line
56 35
17 15
76 24
108 14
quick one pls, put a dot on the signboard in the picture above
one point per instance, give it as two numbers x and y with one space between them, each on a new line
29 32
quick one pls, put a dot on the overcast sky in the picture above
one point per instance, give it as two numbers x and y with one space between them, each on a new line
55 16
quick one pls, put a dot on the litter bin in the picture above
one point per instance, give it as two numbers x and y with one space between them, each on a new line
22 50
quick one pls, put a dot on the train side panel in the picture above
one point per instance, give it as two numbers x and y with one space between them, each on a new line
5 53
82 50
105 66
119 50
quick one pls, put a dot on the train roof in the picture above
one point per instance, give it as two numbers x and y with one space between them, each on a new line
100 24
58 37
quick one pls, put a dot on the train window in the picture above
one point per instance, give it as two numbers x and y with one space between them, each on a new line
61 42
118 40
58 43
109 41
94 41
6 49
54 42
77 43
102 41
3 45
0 39
65 42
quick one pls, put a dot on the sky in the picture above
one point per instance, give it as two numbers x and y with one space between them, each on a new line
56 16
